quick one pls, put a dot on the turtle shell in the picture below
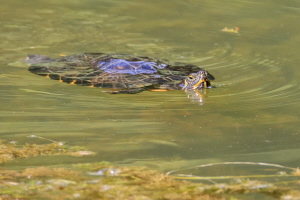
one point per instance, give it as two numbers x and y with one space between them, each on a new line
119 72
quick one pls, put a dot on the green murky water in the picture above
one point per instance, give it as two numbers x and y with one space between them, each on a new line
251 116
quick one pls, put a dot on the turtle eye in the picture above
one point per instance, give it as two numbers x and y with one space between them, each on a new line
191 77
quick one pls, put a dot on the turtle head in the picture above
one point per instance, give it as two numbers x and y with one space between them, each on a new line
200 79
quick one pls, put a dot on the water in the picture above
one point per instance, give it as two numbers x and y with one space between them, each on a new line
252 115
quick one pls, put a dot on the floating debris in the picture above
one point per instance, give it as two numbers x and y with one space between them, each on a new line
231 30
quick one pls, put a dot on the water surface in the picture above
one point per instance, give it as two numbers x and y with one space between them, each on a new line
252 115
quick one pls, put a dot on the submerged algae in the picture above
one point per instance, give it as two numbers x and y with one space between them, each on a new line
10 151
106 181
77 182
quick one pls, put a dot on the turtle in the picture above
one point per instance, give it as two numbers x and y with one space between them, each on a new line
121 73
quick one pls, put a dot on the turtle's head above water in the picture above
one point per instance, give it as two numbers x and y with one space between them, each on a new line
201 79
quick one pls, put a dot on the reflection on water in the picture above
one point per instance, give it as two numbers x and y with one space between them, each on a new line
197 96
253 107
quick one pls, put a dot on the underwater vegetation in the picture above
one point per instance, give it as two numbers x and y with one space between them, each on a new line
105 180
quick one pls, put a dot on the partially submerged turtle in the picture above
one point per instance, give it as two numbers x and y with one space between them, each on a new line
121 73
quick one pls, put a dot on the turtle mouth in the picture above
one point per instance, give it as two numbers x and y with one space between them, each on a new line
201 84
204 84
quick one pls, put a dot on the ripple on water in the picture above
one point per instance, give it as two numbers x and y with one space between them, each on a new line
251 80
